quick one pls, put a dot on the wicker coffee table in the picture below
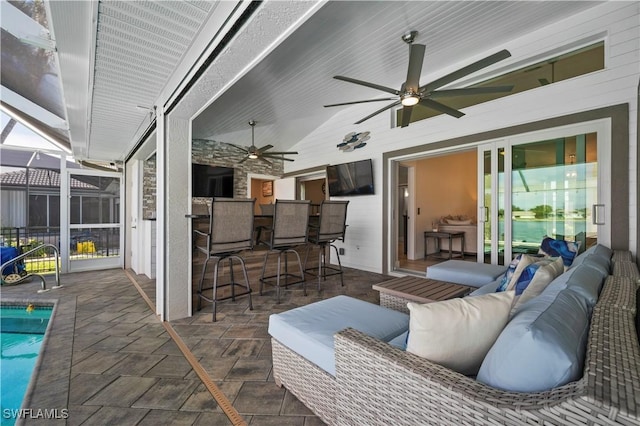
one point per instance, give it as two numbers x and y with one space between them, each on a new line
396 293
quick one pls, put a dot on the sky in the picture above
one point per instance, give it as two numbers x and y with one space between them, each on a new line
23 137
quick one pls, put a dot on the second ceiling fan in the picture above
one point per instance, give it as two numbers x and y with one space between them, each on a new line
261 153
411 93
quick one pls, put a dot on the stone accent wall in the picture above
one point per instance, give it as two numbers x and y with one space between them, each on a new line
211 153
149 188
221 154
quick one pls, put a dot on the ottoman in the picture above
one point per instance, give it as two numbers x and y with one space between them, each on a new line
467 273
308 330
303 351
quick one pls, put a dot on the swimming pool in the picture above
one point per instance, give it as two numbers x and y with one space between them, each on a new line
22 329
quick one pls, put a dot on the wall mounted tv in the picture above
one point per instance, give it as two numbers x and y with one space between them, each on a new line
211 181
354 178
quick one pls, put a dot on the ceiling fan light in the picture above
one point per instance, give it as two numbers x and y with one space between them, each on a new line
253 156
410 99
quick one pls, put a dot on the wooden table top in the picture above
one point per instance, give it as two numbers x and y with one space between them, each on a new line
422 289
443 234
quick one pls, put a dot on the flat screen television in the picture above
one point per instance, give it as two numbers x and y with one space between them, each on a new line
354 178
211 181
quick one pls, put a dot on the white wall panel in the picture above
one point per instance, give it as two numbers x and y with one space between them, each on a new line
617 84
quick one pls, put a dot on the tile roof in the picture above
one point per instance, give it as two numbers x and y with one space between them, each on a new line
41 178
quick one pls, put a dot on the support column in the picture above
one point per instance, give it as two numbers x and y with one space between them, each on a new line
173 278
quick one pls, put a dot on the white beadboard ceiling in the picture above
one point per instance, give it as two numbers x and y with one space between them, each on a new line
139 45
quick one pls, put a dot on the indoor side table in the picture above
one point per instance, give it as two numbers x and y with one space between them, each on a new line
450 236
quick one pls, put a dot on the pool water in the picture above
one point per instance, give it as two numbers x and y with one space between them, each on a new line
21 335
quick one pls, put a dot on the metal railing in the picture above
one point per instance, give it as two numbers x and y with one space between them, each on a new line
85 243
20 278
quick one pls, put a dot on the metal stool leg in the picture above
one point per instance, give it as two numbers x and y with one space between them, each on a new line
233 287
320 260
246 280
204 270
215 288
264 268
278 278
339 264
304 288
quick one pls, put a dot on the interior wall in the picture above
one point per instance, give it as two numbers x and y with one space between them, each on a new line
313 191
447 185
221 154
256 192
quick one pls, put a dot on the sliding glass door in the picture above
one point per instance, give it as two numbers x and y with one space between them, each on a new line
491 197
543 184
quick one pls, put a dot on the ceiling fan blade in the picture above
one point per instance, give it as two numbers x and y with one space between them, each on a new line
416 57
429 103
266 161
367 84
278 157
264 148
243 160
241 148
470 91
406 115
378 112
462 72
359 102
280 153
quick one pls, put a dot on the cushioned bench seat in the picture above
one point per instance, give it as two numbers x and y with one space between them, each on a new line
467 273
309 330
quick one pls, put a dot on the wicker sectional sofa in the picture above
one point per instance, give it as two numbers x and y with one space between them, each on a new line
379 384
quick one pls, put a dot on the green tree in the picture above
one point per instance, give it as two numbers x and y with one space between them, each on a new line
542 211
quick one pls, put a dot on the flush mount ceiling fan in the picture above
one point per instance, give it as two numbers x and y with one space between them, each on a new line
253 152
411 93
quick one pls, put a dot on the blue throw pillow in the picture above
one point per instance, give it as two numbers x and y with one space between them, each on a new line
509 273
525 278
565 249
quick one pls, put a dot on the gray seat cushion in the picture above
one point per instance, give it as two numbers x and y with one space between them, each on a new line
467 273
308 330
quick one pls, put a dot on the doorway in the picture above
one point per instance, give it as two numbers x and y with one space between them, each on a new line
445 187
95 213
262 188
312 188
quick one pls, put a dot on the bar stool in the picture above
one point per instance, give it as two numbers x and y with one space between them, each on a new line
331 227
230 232
288 230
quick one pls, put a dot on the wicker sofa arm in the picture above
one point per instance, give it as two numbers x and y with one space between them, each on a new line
379 384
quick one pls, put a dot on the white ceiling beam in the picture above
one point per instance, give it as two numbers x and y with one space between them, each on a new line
36 111
24 28
30 123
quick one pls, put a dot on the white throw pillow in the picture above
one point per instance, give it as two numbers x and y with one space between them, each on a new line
459 222
458 333
525 261
548 271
